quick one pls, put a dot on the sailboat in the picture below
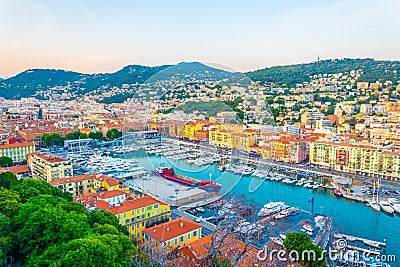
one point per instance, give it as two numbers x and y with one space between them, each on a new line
374 203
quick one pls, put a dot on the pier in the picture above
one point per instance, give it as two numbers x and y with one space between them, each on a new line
374 252
355 238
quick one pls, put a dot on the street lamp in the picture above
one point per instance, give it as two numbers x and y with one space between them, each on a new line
176 197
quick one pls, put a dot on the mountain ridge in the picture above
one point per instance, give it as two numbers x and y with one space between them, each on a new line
33 82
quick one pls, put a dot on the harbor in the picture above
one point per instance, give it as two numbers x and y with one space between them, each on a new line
346 213
263 184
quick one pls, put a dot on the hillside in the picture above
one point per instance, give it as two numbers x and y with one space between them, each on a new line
373 71
32 82
120 85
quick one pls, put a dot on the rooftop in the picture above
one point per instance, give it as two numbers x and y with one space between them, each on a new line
172 229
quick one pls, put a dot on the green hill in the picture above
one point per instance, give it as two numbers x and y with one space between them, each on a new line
373 70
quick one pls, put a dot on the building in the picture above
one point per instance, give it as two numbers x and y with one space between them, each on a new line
175 233
78 185
142 137
34 134
17 151
140 214
356 158
49 167
196 253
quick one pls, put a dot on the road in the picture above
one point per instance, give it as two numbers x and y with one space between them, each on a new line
304 167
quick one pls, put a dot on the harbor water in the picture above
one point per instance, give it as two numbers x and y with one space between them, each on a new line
349 217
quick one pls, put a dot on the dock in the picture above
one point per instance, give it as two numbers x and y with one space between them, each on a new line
349 237
364 250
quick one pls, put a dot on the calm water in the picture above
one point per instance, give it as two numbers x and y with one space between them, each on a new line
348 217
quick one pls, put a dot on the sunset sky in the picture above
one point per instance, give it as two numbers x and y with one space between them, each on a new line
103 36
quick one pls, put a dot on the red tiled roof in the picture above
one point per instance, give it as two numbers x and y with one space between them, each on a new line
17 145
135 204
18 169
73 179
172 229
48 157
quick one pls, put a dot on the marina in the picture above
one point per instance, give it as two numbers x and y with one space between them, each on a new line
262 183
346 213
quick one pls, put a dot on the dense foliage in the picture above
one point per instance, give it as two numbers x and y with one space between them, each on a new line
290 75
41 226
113 134
301 243
6 161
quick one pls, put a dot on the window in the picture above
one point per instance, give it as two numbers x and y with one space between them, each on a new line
128 221
188 236
122 222
176 241
138 235
195 233
142 224
133 212
133 227
181 239
142 209
119 216
124 214
156 206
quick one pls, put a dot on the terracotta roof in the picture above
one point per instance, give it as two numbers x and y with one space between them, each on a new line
17 145
18 169
72 179
135 204
230 248
172 229
48 157
109 194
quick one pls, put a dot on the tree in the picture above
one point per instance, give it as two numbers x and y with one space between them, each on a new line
93 250
102 217
28 188
73 136
44 221
96 135
302 244
6 162
9 203
7 179
83 136
230 229
52 139
113 134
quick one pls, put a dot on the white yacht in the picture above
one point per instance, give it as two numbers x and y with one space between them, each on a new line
386 206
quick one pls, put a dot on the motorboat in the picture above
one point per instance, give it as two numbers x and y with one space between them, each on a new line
386 207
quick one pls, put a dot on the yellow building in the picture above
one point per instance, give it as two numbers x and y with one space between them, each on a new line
78 185
173 234
355 158
17 151
140 214
48 167
220 138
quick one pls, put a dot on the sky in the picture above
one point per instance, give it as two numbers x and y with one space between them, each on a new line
97 36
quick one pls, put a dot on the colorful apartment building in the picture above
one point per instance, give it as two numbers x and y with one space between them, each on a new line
173 234
356 158
34 134
78 185
291 149
17 151
49 167
140 214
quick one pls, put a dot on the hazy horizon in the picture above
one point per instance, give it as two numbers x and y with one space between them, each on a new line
101 36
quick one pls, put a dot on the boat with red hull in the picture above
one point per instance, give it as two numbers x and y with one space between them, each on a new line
169 174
